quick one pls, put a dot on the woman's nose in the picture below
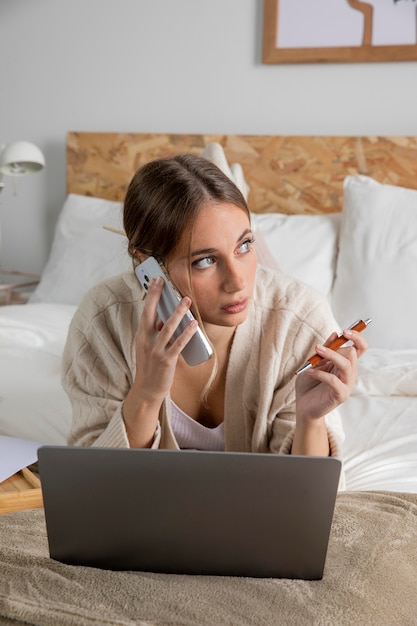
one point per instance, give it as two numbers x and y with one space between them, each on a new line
233 278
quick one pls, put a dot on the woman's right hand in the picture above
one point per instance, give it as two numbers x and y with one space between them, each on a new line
156 360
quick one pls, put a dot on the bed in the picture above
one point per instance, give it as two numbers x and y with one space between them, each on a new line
339 213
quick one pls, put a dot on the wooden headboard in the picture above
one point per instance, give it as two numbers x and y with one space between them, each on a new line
290 174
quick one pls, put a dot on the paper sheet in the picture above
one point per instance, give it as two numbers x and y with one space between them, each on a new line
15 454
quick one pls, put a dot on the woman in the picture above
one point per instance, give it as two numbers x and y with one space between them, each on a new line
124 373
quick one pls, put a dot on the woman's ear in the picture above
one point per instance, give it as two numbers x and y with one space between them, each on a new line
139 256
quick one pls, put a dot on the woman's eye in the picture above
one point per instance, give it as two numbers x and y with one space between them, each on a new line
206 261
246 245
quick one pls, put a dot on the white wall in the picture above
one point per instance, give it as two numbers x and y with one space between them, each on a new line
163 66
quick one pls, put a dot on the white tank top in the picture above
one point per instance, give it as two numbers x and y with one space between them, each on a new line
193 435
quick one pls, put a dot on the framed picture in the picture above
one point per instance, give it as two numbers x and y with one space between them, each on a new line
328 31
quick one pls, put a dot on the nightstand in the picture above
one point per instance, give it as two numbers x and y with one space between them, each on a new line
20 491
13 292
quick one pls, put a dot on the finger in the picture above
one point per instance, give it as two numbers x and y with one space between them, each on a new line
341 389
357 339
337 357
153 296
181 341
165 336
344 360
330 339
341 364
172 323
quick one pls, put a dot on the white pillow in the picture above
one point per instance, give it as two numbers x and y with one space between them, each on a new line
214 152
376 272
83 253
277 236
303 246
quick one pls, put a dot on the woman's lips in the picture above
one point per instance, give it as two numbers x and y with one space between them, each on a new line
236 307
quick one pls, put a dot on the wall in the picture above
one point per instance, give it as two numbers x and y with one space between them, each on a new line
169 66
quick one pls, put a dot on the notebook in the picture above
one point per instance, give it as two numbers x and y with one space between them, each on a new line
188 511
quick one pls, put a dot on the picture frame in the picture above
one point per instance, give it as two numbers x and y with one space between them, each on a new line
339 31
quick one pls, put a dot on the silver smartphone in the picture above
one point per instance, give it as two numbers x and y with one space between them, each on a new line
198 348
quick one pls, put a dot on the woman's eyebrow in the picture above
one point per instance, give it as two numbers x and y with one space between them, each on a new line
213 250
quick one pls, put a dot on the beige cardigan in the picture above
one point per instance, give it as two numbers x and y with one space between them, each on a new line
286 319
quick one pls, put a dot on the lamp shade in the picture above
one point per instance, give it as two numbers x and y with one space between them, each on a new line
20 158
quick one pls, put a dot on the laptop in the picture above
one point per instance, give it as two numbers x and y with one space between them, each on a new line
188 511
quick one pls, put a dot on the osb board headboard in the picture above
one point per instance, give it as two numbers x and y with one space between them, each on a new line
290 174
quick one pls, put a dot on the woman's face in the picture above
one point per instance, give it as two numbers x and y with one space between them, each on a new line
223 264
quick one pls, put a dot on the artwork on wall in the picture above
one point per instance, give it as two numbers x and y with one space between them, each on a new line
319 31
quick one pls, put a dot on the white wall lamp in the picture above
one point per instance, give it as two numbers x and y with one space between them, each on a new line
19 159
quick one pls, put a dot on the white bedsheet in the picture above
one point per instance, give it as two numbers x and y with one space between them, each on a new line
380 419
33 404
380 422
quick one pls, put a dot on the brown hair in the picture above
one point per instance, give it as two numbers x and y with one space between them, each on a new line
164 198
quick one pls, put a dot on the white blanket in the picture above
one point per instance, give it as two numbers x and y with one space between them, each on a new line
33 404
380 422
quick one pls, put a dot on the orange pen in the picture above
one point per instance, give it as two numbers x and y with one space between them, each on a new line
340 341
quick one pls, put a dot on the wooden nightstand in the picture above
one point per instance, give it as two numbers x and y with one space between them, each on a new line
10 292
20 491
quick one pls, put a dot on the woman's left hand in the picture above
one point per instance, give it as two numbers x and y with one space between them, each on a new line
321 389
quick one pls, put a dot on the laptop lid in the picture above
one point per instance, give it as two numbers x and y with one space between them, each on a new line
189 512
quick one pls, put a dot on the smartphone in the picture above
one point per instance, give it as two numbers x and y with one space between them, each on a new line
198 348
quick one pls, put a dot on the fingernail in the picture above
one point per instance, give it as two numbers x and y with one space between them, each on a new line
348 332
320 348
